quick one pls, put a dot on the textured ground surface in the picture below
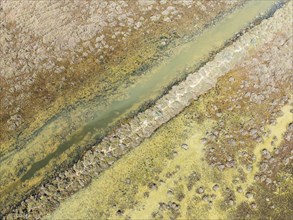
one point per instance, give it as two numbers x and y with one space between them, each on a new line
217 145
228 155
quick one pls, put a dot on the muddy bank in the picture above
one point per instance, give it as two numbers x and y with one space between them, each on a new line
131 134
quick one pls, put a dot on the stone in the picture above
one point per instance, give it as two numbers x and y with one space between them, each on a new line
200 190
253 205
184 146
216 187
249 195
231 79
153 186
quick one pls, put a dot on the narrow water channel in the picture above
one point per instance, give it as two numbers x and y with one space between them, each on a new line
152 83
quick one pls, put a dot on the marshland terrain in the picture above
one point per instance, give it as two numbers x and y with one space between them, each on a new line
146 110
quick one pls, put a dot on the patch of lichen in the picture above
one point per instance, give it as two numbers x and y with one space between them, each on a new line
270 202
233 113
280 204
